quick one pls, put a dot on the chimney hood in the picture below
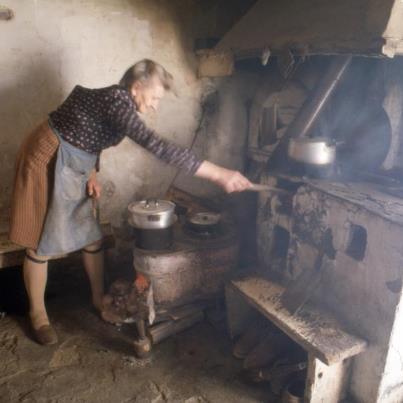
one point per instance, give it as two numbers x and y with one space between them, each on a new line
358 27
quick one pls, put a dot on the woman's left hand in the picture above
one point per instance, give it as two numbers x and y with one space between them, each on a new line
93 186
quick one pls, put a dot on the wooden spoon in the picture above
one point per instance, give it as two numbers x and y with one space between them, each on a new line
256 187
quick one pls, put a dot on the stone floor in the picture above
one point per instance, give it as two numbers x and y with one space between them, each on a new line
94 361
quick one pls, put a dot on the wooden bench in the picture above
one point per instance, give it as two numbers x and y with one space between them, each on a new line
329 344
13 255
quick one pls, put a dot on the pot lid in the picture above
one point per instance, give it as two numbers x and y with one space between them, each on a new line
151 206
204 218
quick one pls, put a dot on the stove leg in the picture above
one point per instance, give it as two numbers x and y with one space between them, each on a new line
141 329
142 345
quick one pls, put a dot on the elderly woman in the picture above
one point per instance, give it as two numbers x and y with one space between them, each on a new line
51 209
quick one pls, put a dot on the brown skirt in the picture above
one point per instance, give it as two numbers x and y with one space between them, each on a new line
32 186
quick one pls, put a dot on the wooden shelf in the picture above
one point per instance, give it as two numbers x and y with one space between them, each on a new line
314 330
13 255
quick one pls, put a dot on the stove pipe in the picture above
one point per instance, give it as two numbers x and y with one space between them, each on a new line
313 106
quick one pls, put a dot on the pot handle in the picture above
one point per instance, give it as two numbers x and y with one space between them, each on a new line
149 201
335 143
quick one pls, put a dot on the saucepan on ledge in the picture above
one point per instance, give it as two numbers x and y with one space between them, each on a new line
314 151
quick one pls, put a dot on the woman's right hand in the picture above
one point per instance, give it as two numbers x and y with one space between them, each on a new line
230 180
93 186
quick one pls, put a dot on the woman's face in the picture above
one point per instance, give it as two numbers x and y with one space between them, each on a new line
147 95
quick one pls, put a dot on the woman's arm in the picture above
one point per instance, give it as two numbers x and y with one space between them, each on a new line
229 180
124 118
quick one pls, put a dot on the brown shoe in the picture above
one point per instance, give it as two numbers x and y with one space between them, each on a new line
46 335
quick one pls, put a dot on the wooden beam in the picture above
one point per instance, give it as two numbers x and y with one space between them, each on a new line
326 383
215 64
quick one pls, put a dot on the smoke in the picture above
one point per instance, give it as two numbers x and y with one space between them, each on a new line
355 116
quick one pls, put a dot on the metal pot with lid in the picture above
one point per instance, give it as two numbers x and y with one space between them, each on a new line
152 214
203 222
153 220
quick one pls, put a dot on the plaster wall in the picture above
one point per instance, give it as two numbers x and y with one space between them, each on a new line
391 390
222 133
52 45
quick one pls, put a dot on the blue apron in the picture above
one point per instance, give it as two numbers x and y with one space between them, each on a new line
70 223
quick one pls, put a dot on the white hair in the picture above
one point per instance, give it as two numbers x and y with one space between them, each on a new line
143 71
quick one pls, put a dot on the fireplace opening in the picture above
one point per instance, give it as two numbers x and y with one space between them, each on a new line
357 244
328 246
281 241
